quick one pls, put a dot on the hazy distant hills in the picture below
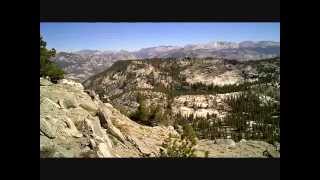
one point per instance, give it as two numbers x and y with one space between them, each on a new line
247 50
82 64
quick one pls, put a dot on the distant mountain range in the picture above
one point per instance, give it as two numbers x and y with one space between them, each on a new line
80 65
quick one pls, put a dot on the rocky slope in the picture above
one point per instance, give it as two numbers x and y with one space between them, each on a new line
81 65
73 124
76 123
157 79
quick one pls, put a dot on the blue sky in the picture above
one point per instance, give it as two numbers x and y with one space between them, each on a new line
133 36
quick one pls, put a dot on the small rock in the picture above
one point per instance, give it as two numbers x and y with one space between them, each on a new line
77 135
48 104
86 148
90 107
243 141
47 129
71 83
104 151
91 93
227 142
92 144
84 143
60 103
107 123
69 103
170 128
45 82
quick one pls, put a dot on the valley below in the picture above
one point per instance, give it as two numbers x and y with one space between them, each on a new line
135 107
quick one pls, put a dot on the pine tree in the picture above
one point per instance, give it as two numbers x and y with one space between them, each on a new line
188 133
47 67
142 114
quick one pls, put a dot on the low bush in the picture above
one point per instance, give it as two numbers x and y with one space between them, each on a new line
178 147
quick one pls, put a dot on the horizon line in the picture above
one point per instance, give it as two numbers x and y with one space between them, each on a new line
115 51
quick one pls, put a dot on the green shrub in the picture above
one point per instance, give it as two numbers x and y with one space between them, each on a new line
189 133
142 114
175 146
183 146
148 115
47 67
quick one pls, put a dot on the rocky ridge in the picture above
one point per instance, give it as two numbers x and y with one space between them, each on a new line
80 65
154 79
